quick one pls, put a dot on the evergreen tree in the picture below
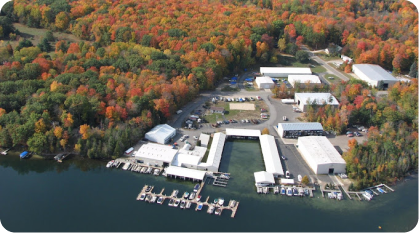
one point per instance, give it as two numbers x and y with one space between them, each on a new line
44 45
414 70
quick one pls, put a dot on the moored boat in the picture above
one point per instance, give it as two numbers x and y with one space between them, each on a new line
221 201
148 198
295 192
367 196
153 199
182 204
215 200
217 211
110 163
380 190
188 205
198 198
232 204
24 155
185 195
289 192
171 202
200 205
192 196
210 209
176 204
282 190
175 193
142 197
196 188
160 200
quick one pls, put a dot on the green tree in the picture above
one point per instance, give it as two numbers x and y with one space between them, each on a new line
305 180
302 56
414 70
37 143
49 36
44 45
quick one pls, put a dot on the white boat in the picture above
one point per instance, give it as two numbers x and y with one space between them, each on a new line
143 169
171 202
276 189
367 196
188 205
153 199
259 189
233 203
182 204
109 164
142 197
156 172
160 200
210 209
175 193
125 167
176 204
192 196
149 170
186 195
265 190
289 192
217 211
339 196
220 201
148 198
198 198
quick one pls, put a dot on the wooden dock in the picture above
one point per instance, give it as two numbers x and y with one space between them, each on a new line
193 201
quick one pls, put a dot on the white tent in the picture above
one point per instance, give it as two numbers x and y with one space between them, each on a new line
161 134
270 155
321 155
153 154
263 178
183 173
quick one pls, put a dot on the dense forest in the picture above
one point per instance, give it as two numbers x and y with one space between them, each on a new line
138 61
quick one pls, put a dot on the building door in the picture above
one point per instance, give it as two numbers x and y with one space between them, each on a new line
331 170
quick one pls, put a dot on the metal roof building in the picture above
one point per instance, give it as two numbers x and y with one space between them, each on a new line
263 178
204 138
305 99
372 74
161 134
304 79
215 154
283 72
270 155
185 173
155 154
243 132
264 82
321 155
295 130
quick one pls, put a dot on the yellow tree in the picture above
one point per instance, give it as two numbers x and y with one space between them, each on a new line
84 131
265 131
58 132
61 21
40 126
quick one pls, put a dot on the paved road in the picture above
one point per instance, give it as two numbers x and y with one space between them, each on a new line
325 65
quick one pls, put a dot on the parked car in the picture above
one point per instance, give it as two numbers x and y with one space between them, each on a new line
195 137
263 110
350 135
287 174
358 134
226 122
252 99
283 157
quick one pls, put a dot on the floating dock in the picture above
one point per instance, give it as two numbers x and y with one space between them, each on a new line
230 206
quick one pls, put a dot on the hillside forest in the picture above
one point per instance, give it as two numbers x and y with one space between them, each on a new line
139 61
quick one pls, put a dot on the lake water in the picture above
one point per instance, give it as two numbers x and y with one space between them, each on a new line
83 195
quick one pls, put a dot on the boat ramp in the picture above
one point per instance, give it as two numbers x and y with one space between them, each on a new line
148 190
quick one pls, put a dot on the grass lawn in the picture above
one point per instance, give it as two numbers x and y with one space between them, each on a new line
318 69
332 78
326 57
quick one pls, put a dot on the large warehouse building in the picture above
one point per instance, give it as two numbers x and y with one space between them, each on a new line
372 74
161 134
303 100
283 72
304 80
321 155
215 154
155 154
265 82
295 130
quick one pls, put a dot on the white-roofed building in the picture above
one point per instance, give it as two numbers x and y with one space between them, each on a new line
265 82
283 72
204 138
295 130
303 80
243 133
321 155
215 154
263 178
185 173
372 74
305 99
189 158
270 155
161 134
155 154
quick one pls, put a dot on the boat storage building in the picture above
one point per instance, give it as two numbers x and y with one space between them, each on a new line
304 80
215 154
372 74
263 178
295 130
270 155
303 100
283 72
155 154
161 134
265 82
321 155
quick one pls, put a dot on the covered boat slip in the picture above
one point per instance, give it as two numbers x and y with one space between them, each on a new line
243 133
215 154
263 178
185 173
270 155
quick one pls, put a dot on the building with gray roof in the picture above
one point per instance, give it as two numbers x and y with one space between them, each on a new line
372 74
295 130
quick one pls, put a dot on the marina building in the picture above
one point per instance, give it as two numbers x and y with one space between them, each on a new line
189 158
303 100
263 178
215 154
185 173
204 138
372 74
265 82
270 155
161 134
283 72
321 155
295 130
155 154
304 80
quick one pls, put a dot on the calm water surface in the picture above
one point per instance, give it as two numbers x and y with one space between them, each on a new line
83 195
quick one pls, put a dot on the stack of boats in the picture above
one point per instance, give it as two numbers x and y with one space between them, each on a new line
134 167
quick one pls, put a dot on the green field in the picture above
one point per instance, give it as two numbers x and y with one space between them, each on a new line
332 78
